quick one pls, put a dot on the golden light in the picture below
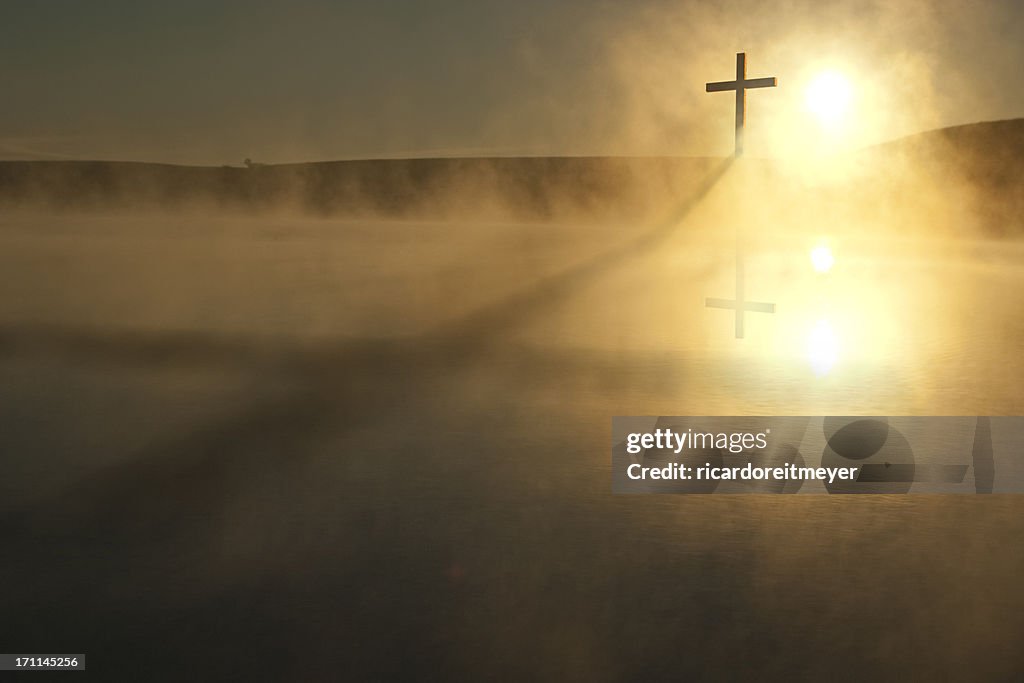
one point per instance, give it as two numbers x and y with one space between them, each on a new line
828 97
822 348
822 259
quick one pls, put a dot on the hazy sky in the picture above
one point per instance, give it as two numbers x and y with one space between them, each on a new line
215 82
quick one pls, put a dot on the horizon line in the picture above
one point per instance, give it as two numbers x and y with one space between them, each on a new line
452 155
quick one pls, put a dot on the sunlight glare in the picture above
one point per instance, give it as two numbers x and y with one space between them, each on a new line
828 97
822 259
822 348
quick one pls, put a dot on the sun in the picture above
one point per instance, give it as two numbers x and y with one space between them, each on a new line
828 97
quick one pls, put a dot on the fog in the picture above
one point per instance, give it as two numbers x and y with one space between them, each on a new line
302 420
378 437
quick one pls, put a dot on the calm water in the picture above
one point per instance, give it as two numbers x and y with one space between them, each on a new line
303 450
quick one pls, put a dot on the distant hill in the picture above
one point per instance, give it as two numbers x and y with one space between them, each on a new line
523 188
985 159
982 162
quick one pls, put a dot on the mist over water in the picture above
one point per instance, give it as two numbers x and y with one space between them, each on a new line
382 442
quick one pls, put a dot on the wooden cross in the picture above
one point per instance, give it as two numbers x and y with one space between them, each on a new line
741 85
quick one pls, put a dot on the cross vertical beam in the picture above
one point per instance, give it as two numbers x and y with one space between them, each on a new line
741 104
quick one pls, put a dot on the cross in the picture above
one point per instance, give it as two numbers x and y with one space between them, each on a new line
740 85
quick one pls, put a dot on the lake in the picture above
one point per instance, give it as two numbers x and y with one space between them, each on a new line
295 449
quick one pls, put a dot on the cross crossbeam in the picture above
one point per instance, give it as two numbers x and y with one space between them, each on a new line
752 306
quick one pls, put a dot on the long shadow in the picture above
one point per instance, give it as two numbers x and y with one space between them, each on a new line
356 382
489 322
144 526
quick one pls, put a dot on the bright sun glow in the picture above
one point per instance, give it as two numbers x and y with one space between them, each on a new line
822 259
822 348
828 97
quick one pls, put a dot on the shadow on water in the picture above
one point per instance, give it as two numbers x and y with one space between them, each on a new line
358 379
490 322
387 516
145 530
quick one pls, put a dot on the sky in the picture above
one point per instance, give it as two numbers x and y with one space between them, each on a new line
216 82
